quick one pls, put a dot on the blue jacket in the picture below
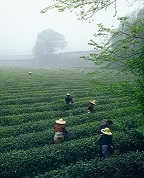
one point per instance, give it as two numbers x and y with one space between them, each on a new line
68 100
106 140
102 126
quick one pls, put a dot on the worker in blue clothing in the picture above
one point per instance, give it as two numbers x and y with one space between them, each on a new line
108 123
106 143
68 99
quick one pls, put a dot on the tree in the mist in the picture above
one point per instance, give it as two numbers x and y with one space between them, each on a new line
125 48
85 9
48 42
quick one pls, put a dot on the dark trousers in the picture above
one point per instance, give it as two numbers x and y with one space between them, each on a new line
105 151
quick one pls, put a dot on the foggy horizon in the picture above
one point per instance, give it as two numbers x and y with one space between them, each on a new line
21 21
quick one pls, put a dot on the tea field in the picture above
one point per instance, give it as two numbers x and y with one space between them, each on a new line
31 103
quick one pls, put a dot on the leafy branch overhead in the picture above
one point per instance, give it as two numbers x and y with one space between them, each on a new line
86 9
83 8
123 45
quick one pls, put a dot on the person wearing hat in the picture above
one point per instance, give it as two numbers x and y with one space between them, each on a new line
91 106
60 131
108 123
106 144
68 99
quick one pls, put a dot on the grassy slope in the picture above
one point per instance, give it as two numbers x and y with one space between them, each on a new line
30 104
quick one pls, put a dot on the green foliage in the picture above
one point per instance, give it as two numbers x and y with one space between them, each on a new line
31 104
52 157
83 8
126 165
122 49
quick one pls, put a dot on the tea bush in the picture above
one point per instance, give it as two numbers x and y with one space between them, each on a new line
53 156
123 166
29 106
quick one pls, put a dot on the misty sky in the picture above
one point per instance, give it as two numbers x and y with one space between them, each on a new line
21 21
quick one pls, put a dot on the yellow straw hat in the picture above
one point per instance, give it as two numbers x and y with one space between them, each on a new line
106 131
93 102
60 121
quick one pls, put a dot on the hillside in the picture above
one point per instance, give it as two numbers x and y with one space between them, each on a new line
29 107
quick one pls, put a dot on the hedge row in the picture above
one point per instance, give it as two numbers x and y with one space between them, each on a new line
48 105
39 160
37 139
35 116
129 165
46 123
22 139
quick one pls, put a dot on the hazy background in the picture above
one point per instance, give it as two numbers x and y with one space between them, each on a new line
21 21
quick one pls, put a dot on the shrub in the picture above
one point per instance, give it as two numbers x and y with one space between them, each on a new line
123 166
38 160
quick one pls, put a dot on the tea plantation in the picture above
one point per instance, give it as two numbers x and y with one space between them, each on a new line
29 106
